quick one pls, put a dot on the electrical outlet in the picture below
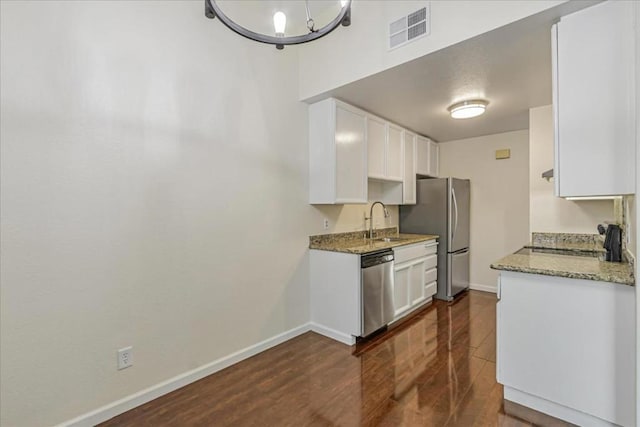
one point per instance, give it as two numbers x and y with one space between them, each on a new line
125 357
325 223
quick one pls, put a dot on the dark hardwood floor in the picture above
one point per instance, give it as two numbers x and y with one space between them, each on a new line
437 369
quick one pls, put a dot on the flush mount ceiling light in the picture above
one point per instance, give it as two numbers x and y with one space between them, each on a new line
213 10
467 109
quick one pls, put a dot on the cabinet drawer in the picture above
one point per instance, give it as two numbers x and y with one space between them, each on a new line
409 252
431 275
418 250
430 262
432 247
430 289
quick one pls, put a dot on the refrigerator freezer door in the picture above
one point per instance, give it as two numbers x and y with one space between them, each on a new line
429 215
459 209
458 269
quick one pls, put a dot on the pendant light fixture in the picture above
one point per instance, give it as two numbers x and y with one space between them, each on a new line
468 109
279 39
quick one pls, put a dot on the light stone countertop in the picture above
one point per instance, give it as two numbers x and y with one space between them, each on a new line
355 243
570 265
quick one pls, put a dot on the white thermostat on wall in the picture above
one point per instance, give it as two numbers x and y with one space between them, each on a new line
505 153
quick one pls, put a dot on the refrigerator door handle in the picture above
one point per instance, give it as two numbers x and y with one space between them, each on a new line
460 252
455 207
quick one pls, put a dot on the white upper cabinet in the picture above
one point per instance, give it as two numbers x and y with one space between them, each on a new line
434 158
427 157
337 153
356 157
384 145
422 150
594 101
395 161
376 147
409 188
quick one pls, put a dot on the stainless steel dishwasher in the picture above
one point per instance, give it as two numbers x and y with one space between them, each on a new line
377 290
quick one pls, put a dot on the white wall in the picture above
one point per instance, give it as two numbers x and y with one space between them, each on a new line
343 218
635 212
362 49
549 213
154 194
499 196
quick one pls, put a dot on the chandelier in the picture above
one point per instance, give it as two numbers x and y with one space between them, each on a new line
279 39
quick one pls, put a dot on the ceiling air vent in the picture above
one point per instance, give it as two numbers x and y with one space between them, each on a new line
409 28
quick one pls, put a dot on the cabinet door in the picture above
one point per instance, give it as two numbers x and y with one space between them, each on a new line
409 185
434 159
594 101
422 156
431 280
583 334
376 145
417 283
428 153
351 160
409 286
395 160
401 289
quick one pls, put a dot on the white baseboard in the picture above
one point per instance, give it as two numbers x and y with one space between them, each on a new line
554 409
483 288
333 334
120 406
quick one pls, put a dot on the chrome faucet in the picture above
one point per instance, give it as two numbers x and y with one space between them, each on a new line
386 215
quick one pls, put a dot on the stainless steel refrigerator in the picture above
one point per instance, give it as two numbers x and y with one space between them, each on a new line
442 208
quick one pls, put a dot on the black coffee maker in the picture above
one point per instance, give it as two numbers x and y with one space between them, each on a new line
613 243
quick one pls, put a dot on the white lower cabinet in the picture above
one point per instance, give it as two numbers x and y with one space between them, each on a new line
565 347
401 285
335 295
414 279
417 282
336 291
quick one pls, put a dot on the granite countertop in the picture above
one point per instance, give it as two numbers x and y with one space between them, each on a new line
355 243
575 260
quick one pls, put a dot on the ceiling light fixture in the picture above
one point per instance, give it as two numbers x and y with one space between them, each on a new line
212 10
467 109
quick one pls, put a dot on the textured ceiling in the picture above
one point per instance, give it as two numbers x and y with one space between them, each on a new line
510 67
